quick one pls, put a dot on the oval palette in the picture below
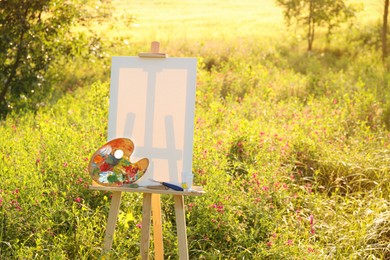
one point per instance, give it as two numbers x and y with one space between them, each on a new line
110 165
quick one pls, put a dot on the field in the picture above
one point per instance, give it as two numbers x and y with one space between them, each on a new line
292 148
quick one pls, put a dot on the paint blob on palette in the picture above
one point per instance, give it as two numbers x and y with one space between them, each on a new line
110 165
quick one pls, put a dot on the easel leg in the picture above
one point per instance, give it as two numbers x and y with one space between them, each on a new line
157 227
111 222
145 231
181 227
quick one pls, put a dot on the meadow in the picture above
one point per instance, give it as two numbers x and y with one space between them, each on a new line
292 148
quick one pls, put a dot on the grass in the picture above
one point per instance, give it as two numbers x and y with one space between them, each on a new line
292 148
192 20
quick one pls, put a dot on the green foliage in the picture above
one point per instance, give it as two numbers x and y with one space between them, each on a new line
39 36
292 150
314 14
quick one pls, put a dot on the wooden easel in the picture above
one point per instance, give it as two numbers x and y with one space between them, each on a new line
151 207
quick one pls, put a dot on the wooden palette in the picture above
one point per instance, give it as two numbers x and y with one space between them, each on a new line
110 165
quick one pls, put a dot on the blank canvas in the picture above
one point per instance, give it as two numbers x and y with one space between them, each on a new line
152 102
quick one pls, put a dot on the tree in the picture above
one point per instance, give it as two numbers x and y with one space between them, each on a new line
384 28
33 36
311 14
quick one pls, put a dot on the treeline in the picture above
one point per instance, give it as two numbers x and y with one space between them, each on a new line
47 41
311 15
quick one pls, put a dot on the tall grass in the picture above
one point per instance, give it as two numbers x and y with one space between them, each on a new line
292 149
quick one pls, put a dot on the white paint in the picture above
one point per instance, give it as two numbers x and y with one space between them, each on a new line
118 154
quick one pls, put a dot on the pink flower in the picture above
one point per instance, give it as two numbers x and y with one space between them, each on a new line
139 225
219 207
269 243
65 164
289 242
311 219
191 205
78 200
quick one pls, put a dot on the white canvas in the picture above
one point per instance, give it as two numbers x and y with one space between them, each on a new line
152 102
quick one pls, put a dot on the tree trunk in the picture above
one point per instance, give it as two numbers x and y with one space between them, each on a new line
11 76
310 31
384 29
15 65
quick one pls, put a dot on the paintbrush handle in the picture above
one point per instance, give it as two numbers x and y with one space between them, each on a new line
169 185
172 186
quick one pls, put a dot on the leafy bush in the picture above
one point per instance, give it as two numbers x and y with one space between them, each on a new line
40 38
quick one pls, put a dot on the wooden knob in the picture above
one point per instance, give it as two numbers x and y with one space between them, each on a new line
155 47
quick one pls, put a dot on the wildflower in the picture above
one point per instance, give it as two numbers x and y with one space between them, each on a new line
139 225
310 250
65 164
191 205
289 242
308 188
78 200
50 232
205 153
269 243
311 219
219 207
